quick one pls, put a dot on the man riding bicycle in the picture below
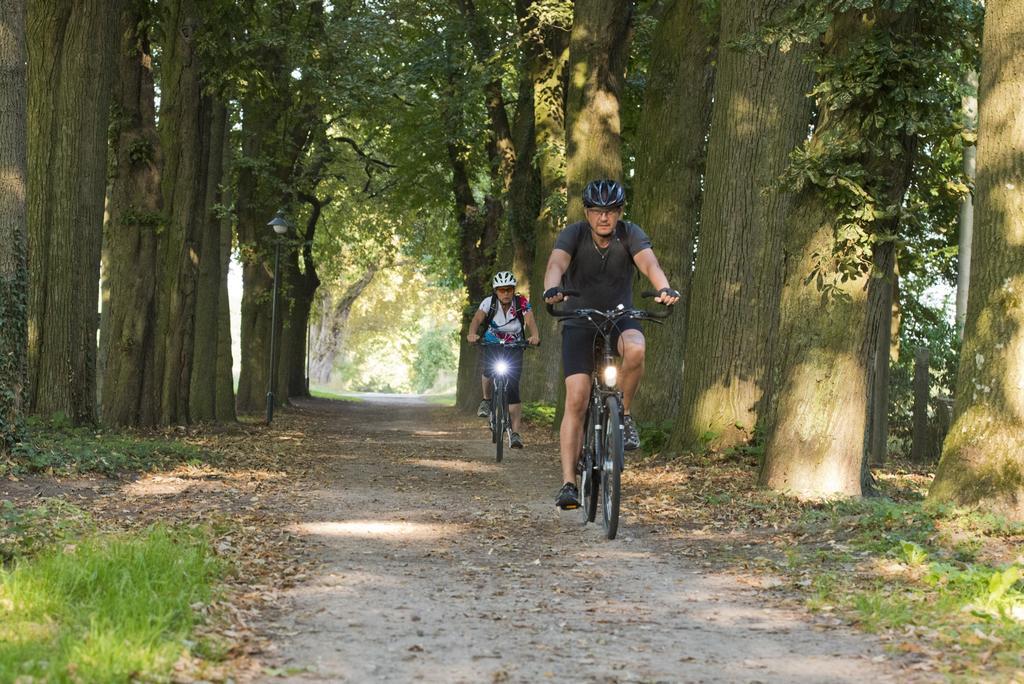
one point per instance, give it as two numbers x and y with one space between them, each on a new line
598 258
506 314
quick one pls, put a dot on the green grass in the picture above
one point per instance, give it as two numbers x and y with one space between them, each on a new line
912 569
108 608
440 399
539 413
324 394
27 531
57 448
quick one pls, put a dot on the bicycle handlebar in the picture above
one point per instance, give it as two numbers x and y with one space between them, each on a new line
506 345
613 313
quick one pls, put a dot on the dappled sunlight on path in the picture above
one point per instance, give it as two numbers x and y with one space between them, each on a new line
440 565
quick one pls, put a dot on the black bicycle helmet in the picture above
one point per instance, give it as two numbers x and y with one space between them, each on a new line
604 194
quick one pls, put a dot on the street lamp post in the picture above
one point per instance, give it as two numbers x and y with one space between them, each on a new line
280 226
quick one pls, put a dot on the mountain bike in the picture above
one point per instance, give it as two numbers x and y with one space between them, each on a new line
498 418
602 457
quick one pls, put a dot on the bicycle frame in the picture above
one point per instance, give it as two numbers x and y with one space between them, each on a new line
500 420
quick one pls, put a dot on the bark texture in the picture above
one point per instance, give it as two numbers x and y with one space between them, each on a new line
761 114
206 388
303 286
328 333
187 125
71 50
13 220
134 219
983 455
816 434
542 376
670 166
598 50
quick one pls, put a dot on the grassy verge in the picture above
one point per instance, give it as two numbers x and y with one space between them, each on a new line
325 394
939 584
78 604
56 448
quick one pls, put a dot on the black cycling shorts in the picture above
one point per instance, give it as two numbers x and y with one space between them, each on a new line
514 358
578 346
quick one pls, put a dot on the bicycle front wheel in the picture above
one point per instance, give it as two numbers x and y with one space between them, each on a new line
611 470
589 467
500 424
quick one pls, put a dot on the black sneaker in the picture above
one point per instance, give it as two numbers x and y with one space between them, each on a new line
515 441
631 438
568 497
484 409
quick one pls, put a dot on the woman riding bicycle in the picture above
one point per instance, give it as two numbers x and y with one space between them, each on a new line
506 313
598 258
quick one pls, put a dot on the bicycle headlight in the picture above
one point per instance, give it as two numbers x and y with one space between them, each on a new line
611 375
501 367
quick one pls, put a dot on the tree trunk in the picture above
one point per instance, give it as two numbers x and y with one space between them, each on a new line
210 280
880 306
761 114
303 287
670 167
983 454
13 221
71 52
542 376
920 446
225 363
127 342
329 331
966 218
260 195
598 50
816 433
187 131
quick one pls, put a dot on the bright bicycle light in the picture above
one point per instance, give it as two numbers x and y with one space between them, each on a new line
501 367
611 376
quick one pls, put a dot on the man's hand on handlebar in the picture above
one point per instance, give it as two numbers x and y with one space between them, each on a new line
553 295
472 338
667 296
533 340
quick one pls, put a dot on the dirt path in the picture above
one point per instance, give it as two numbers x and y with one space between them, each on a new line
440 565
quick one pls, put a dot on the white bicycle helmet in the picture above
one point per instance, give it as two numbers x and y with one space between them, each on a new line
503 279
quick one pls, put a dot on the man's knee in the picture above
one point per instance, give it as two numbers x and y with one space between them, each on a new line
632 348
576 394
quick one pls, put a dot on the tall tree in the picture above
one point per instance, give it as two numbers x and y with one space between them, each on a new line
598 50
548 33
279 112
670 165
597 55
71 49
211 394
13 220
191 121
881 96
983 454
328 333
761 114
134 203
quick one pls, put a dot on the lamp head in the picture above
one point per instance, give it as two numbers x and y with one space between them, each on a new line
279 223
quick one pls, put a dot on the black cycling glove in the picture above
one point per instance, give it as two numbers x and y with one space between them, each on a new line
669 291
551 292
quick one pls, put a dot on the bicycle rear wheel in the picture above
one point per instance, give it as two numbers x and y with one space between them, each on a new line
611 463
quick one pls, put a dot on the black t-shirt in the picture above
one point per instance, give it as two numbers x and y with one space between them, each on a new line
603 277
